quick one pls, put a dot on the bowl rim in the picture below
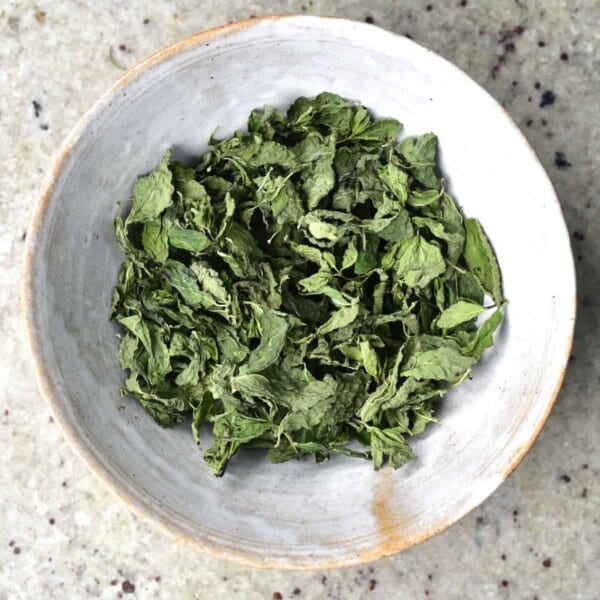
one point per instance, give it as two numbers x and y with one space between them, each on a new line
395 542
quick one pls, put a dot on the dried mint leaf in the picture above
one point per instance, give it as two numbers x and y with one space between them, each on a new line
308 287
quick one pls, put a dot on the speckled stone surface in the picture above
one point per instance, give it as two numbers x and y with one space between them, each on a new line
62 535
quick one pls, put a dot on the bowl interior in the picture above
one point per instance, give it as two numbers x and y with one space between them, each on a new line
297 514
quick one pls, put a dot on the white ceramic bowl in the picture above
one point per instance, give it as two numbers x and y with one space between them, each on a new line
298 514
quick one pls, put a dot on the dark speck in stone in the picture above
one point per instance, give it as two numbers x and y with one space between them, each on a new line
157 579
564 56
508 34
529 99
37 108
51 521
480 520
541 43
503 556
510 47
372 584
369 19
548 98
430 577
584 493
324 579
529 122
11 543
64 484
585 466
578 236
277 596
429 7
113 582
146 21
537 85
463 3
297 591
560 160
514 83
44 127
547 562
543 122
504 583
17 550
565 478
122 47
128 587
427 592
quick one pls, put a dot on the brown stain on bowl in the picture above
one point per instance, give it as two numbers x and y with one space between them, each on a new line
382 509
391 538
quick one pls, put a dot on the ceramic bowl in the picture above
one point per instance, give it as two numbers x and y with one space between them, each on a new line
298 514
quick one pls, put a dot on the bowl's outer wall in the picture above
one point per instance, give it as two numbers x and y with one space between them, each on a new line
297 514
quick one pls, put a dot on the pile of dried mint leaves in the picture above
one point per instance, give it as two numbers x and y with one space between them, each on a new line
309 287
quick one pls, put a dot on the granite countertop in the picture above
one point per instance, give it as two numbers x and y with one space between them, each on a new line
63 535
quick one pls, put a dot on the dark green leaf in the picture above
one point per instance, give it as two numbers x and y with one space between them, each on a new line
421 155
273 330
152 193
418 262
481 259
307 286
458 313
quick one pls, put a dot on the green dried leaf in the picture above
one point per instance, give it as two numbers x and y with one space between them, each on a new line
458 313
481 259
154 240
307 285
420 153
389 445
418 262
396 180
340 318
152 193
188 239
485 335
441 364
273 330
